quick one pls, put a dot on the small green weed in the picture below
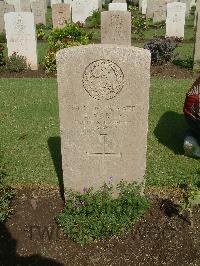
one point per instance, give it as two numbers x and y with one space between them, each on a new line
191 198
95 215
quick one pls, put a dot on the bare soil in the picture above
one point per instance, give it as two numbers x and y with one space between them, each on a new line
31 236
168 70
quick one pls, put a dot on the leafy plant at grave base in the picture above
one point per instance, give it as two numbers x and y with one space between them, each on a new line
95 215
139 25
186 63
192 10
2 58
16 63
40 34
191 198
161 50
70 35
94 21
159 24
6 195
2 37
40 26
40 31
50 61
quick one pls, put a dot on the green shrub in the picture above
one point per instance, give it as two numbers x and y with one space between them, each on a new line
70 35
186 63
2 37
96 215
94 21
40 26
139 23
16 63
193 9
2 57
161 50
50 61
40 34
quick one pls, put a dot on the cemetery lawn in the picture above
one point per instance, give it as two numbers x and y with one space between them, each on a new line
30 132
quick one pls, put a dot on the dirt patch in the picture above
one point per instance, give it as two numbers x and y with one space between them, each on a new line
40 73
31 237
170 70
164 71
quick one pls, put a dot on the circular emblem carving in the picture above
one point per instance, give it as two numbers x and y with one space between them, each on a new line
103 79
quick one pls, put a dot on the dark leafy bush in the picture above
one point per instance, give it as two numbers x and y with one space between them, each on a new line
16 63
2 57
186 63
70 35
161 50
2 37
94 21
96 215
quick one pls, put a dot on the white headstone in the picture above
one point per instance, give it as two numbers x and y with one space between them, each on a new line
39 12
21 36
144 7
103 109
116 27
25 6
55 2
175 22
117 7
81 9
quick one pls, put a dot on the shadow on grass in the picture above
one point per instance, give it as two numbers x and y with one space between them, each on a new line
54 144
170 131
8 254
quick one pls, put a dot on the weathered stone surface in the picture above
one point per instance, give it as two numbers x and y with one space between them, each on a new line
44 4
4 8
175 19
160 14
153 5
39 12
81 9
187 2
117 7
61 13
197 44
116 27
16 4
53 2
21 37
144 7
25 6
103 107
2 16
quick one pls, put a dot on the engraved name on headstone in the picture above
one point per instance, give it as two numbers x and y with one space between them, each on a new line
61 13
116 27
39 12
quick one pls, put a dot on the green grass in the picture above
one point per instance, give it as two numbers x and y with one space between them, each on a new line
166 164
29 125
29 117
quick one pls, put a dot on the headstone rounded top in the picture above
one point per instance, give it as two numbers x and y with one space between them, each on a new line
103 79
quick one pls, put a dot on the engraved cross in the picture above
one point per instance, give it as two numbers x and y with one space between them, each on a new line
105 154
